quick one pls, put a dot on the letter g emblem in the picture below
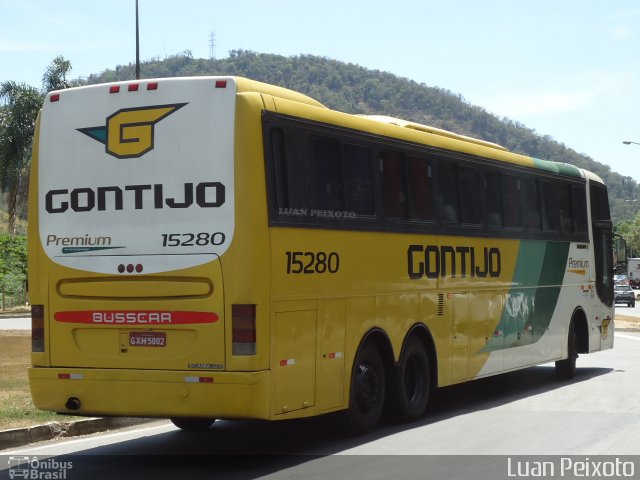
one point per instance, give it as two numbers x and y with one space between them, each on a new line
129 132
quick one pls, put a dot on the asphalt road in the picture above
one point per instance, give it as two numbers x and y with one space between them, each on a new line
472 431
632 312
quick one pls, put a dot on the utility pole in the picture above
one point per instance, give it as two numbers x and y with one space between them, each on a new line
137 45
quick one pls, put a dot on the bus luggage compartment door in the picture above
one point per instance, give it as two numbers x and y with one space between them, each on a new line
293 359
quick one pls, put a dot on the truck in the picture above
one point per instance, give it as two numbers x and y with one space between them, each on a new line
633 272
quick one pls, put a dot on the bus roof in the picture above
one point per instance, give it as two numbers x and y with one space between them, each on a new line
433 130
247 85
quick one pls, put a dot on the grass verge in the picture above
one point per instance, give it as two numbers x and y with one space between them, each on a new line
627 322
16 407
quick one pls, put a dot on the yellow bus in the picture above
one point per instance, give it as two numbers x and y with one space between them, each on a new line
218 248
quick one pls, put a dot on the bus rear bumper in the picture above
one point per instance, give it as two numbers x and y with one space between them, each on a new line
151 393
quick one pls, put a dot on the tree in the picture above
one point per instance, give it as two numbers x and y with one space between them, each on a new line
13 265
17 125
19 106
630 231
55 77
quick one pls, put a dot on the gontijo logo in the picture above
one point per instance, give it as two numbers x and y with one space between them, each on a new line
129 132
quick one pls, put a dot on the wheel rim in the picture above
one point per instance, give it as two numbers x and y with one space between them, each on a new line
367 387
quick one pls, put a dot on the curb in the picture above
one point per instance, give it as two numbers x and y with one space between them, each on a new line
15 315
19 437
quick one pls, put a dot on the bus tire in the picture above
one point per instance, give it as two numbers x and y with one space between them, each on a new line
192 423
566 369
366 397
411 382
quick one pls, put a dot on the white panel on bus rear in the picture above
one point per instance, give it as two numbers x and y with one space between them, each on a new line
138 177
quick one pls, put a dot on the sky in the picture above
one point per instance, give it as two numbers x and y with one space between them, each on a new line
569 69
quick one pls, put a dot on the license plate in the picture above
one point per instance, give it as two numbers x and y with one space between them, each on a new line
147 339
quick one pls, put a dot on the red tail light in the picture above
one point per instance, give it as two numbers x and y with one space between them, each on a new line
243 325
37 328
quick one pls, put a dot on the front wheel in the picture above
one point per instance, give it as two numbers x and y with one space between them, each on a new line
192 423
566 369
366 397
411 382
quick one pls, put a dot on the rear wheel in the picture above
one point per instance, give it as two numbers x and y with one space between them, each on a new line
411 382
192 423
566 369
366 398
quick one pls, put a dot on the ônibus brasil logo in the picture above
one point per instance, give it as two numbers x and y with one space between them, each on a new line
129 132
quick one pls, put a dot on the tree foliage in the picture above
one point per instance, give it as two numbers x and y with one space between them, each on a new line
13 263
19 107
55 76
630 231
17 125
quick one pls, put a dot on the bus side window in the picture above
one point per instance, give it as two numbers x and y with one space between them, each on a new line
493 198
599 203
470 198
550 206
512 201
394 189
420 189
579 207
531 204
358 180
327 187
289 169
563 195
602 242
447 193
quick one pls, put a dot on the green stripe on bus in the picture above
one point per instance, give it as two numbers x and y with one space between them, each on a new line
528 310
555 167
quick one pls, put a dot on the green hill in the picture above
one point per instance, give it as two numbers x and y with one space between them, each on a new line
355 89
